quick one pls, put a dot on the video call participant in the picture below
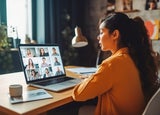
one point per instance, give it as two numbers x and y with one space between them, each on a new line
54 52
34 75
29 53
58 72
30 64
44 63
47 73
126 80
56 62
42 52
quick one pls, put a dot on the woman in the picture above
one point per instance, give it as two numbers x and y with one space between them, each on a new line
126 80
54 52
30 64
47 73
29 53
42 52
34 75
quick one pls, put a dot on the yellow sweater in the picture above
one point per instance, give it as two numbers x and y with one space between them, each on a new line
117 85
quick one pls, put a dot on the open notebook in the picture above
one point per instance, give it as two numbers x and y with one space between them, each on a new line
43 67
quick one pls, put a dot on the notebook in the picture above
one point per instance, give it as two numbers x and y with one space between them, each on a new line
43 67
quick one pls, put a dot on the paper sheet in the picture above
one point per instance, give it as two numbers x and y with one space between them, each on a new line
31 95
83 70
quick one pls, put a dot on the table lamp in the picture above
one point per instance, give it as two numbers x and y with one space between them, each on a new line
79 40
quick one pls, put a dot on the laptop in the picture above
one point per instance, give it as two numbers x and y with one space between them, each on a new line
43 67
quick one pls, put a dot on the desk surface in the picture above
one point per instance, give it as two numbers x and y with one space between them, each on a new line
34 107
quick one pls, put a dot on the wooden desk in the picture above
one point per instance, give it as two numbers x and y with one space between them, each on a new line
29 108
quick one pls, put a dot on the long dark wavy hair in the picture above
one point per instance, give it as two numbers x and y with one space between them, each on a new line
133 35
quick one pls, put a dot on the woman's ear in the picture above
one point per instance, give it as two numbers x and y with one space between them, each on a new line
115 34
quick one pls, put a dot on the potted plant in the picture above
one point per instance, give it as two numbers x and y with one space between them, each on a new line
5 55
4 44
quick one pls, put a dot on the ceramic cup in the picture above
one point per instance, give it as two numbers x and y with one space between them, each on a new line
15 90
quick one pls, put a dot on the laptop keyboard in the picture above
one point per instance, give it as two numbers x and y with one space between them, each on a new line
58 80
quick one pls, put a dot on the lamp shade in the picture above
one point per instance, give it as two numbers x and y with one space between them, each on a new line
79 40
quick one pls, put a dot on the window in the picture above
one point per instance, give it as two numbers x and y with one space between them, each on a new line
19 19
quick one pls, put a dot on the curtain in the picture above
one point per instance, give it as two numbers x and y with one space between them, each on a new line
60 19
3 17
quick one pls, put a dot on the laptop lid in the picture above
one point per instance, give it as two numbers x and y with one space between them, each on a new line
41 62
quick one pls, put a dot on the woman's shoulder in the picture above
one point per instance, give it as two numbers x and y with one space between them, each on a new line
117 59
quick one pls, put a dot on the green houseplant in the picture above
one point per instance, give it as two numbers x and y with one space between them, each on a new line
4 44
5 55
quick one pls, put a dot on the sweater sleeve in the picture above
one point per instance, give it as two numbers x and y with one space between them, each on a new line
95 85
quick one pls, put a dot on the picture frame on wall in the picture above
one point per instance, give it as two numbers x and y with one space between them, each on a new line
110 6
152 4
153 27
124 5
127 5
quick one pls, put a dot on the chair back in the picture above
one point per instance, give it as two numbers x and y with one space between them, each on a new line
153 106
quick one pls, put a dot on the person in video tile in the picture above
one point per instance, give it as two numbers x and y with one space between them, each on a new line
54 52
44 63
58 72
30 64
34 75
42 52
47 73
29 53
56 62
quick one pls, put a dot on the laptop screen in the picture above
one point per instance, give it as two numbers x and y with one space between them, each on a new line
41 62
